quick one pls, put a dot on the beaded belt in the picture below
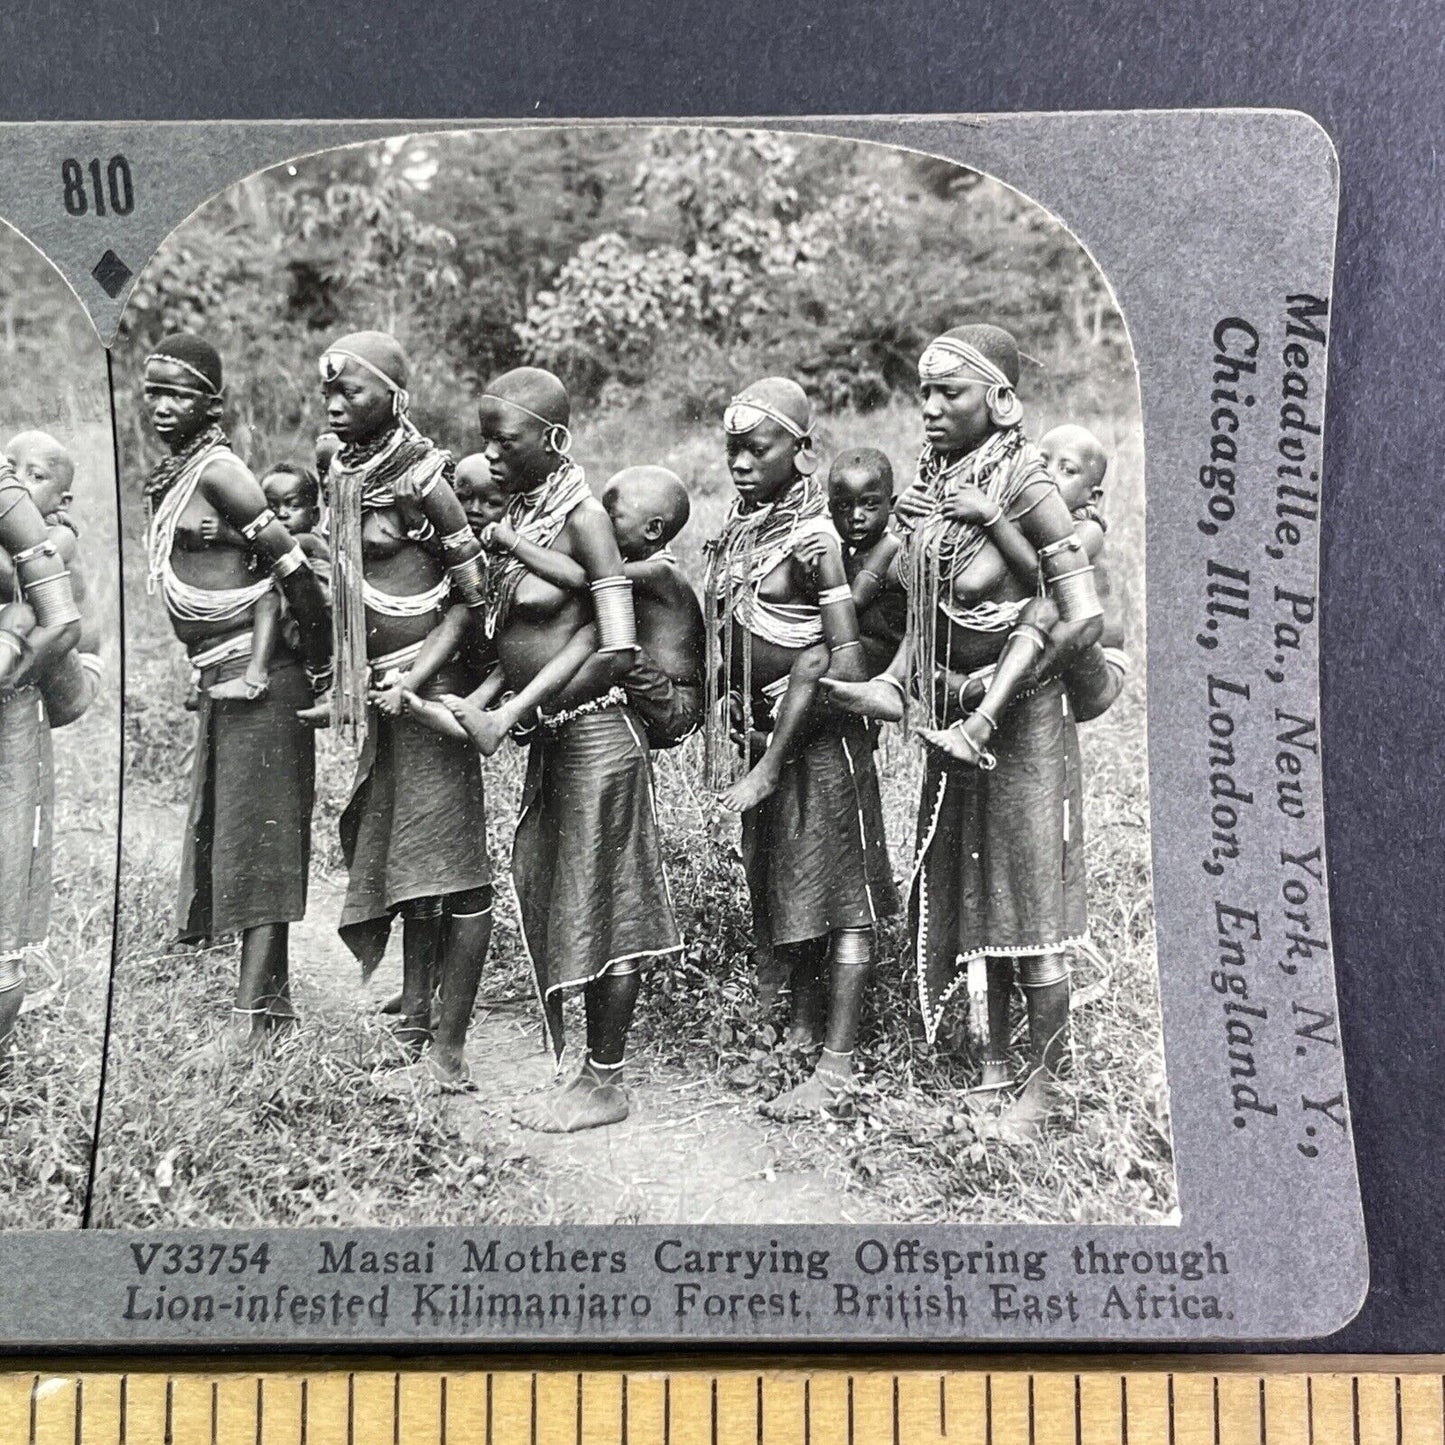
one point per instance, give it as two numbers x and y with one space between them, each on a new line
229 649
613 697
393 666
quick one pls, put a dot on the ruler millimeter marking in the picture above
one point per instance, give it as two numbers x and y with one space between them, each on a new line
1195 1402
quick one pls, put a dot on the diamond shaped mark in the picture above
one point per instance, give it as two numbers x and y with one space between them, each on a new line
111 273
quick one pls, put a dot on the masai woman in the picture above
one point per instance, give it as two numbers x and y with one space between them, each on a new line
999 876
38 630
414 831
215 549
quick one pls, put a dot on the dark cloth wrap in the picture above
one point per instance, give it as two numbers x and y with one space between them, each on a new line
668 710
587 861
248 833
27 802
1000 867
814 851
414 827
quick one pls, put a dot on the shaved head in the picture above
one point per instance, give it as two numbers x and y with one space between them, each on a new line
1077 461
42 447
658 491
475 471
535 391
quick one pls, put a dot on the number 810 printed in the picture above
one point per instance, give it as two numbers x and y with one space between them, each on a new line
99 188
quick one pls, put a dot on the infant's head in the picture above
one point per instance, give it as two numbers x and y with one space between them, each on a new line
294 494
45 469
1077 461
648 507
482 499
860 495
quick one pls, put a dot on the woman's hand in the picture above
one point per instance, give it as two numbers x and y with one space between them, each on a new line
499 537
810 553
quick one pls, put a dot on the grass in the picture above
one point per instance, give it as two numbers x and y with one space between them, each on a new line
48 1110
313 1139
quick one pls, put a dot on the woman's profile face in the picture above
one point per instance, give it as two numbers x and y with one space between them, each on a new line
178 412
358 405
955 414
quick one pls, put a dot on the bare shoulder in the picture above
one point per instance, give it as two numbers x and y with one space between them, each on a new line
64 541
313 544
229 477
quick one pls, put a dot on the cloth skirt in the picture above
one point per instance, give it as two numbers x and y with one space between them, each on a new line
587 861
248 832
414 827
1000 865
27 801
815 853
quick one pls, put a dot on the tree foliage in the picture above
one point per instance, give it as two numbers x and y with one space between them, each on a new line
687 259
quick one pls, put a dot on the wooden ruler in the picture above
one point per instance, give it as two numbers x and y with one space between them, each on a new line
1194 1401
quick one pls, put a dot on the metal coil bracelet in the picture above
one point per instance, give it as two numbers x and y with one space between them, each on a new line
468 579
616 621
51 599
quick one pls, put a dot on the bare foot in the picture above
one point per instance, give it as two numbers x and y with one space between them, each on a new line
235 1046
193 700
249 687
410 1036
434 716
802 1037
749 791
960 745
588 1102
318 715
450 1070
995 1079
392 1005
487 730
873 698
811 1099
425 1077
1023 1121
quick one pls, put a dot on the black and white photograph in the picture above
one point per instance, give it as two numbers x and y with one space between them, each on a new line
635 698
59 737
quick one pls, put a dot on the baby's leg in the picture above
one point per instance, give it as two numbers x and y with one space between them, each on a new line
17 622
803 678
255 682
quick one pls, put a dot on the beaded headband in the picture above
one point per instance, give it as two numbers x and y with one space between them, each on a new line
211 389
949 356
330 371
743 414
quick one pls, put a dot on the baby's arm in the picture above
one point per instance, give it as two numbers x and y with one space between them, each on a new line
873 573
218 529
970 504
438 648
554 567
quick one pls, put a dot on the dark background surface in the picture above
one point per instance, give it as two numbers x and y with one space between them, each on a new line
1372 74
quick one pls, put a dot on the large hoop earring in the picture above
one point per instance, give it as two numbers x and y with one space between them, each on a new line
805 463
558 437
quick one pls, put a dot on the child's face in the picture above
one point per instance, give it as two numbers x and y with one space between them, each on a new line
481 498
955 414
762 462
860 503
44 471
288 496
632 522
1073 465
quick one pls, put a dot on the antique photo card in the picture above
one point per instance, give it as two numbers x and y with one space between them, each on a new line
59 737
721 732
